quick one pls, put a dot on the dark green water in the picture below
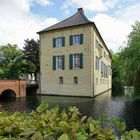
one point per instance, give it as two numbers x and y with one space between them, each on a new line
116 106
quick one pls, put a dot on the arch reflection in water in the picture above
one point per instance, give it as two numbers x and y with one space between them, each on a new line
19 104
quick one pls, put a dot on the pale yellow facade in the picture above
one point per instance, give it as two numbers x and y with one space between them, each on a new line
90 80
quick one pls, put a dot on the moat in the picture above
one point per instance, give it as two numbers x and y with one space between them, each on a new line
123 107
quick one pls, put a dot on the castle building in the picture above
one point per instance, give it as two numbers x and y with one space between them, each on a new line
74 59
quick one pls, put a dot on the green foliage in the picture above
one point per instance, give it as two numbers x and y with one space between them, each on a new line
31 52
11 62
117 71
126 63
15 62
52 124
130 57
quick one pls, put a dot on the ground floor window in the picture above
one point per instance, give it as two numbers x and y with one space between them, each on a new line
60 80
75 80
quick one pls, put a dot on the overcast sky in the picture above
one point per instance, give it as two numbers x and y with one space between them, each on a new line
21 19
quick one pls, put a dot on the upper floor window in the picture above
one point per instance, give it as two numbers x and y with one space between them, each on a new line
76 39
97 44
58 42
58 62
76 61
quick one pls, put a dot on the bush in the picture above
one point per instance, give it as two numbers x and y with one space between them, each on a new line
53 124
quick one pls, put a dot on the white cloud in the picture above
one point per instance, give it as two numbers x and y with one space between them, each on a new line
90 5
14 5
130 13
43 2
18 24
113 31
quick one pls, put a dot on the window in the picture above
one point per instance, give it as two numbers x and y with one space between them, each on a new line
110 71
100 81
97 44
97 63
58 62
60 80
58 42
76 61
96 81
76 39
75 80
102 68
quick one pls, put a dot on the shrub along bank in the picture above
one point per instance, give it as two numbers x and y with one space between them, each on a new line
53 124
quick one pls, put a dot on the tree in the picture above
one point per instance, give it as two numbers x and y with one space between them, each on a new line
117 81
130 57
31 53
11 62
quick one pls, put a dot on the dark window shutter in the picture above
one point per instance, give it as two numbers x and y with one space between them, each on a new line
54 62
63 41
63 62
70 40
81 60
70 61
81 38
54 42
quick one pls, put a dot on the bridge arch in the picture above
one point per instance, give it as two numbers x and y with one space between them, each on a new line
8 93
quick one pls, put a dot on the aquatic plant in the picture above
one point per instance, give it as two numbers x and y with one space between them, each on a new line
53 124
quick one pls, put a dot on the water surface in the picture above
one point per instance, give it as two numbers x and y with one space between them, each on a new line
116 106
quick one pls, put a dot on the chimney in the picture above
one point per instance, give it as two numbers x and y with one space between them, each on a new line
81 10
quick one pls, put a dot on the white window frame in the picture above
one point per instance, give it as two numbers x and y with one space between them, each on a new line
59 62
58 42
76 39
76 61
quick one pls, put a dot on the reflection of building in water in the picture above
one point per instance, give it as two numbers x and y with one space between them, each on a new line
128 90
75 60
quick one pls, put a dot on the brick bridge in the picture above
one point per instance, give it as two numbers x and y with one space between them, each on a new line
13 88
